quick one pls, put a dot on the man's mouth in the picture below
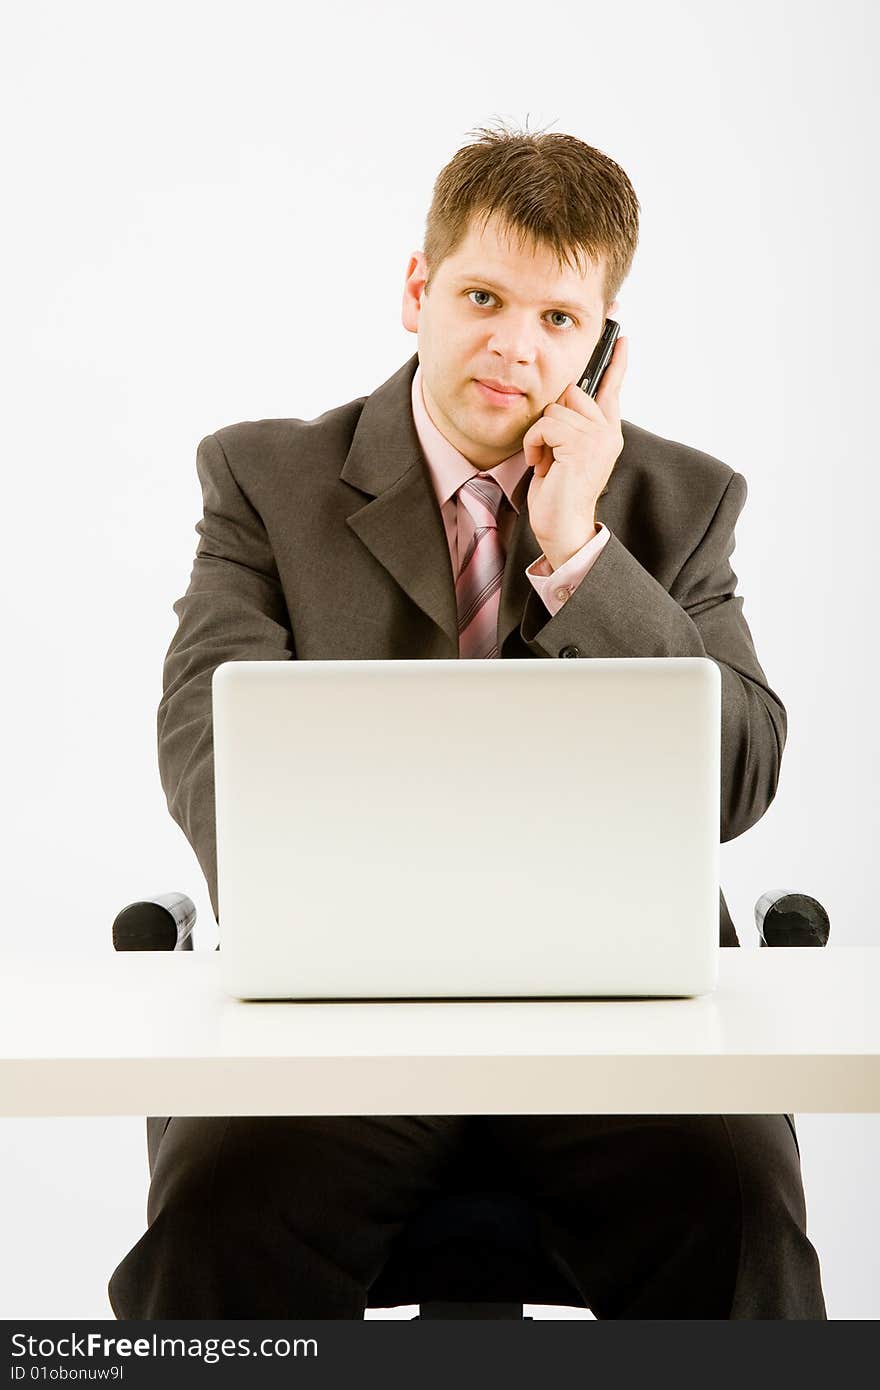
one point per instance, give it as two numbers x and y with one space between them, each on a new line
498 396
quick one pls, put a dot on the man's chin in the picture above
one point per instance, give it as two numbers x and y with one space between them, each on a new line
487 452
497 435
477 430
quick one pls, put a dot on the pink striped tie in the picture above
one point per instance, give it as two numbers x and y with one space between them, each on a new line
478 587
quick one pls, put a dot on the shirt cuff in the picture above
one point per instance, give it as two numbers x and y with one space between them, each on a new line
554 587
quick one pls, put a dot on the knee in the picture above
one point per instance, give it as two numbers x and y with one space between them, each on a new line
768 1168
185 1167
234 1168
244 1172
702 1167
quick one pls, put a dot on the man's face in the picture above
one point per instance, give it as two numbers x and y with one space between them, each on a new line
498 313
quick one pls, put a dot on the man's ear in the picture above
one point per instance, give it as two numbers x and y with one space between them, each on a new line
611 311
413 290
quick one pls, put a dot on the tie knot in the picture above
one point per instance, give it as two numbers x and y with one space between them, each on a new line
483 497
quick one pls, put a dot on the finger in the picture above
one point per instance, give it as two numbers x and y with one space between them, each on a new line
552 431
542 468
608 396
576 399
541 438
533 446
539 455
576 418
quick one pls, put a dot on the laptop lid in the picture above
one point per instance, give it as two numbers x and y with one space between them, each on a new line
468 829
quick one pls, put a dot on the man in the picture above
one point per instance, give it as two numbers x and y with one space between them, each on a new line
477 504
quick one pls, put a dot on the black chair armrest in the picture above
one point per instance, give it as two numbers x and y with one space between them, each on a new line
786 918
163 923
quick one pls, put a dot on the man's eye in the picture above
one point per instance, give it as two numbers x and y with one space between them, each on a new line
491 296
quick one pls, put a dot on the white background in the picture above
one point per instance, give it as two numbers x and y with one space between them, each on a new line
209 212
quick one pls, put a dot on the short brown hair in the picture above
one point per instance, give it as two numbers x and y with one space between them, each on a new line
548 189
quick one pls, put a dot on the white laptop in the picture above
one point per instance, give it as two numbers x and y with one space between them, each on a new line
468 829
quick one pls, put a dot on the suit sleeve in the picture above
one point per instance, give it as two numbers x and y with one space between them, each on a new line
233 610
620 610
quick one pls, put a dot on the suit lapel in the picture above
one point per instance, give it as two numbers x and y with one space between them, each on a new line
401 526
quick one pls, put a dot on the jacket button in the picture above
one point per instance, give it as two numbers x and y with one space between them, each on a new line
570 651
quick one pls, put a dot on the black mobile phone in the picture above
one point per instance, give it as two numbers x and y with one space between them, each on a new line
595 368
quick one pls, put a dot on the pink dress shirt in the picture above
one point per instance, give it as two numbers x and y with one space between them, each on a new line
448 469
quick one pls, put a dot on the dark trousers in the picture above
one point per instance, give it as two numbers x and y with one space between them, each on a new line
650 1216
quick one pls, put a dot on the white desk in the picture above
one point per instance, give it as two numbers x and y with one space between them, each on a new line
788 1030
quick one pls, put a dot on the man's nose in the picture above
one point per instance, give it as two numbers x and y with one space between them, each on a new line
515 341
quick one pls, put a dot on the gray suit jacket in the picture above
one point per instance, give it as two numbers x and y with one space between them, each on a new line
322 539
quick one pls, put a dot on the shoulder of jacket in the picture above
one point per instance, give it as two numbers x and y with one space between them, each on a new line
262 440
679 465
